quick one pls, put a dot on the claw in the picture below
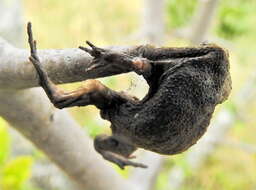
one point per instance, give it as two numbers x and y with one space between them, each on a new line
94 66
86 49
95 48
132 157
94 51
32 42
91 45
120 160
123 163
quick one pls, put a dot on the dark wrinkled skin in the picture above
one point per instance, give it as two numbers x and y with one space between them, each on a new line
177 110
185 84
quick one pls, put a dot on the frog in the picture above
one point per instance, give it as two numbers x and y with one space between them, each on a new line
185 86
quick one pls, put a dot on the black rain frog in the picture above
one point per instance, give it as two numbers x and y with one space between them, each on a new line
185 85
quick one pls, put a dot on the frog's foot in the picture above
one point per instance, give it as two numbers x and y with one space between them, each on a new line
119 60
120 160
116 150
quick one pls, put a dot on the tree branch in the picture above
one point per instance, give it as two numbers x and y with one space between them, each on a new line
60 138
203 20
62 66
53 131
146 179
152 28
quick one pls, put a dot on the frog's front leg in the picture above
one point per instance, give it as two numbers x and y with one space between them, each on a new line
117 150
91 93
123 62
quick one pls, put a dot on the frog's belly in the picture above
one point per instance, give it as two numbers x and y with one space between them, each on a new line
173 139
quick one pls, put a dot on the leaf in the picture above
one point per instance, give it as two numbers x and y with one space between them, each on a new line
16 172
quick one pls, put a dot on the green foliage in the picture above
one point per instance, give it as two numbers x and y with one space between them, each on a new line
182 163
4 142
13 173
180 12
233 18
93 128
16 172
231 106
161 181
72 22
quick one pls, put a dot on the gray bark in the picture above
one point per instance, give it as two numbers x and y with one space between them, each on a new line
146 179
203 20
63 66
48 176
53 131
45 174
11 25
59 137
153 21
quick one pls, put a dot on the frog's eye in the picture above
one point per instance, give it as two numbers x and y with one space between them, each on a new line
113 142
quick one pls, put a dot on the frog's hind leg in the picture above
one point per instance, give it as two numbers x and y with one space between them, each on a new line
91 93
115 149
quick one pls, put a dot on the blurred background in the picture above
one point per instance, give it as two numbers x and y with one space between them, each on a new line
224 159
